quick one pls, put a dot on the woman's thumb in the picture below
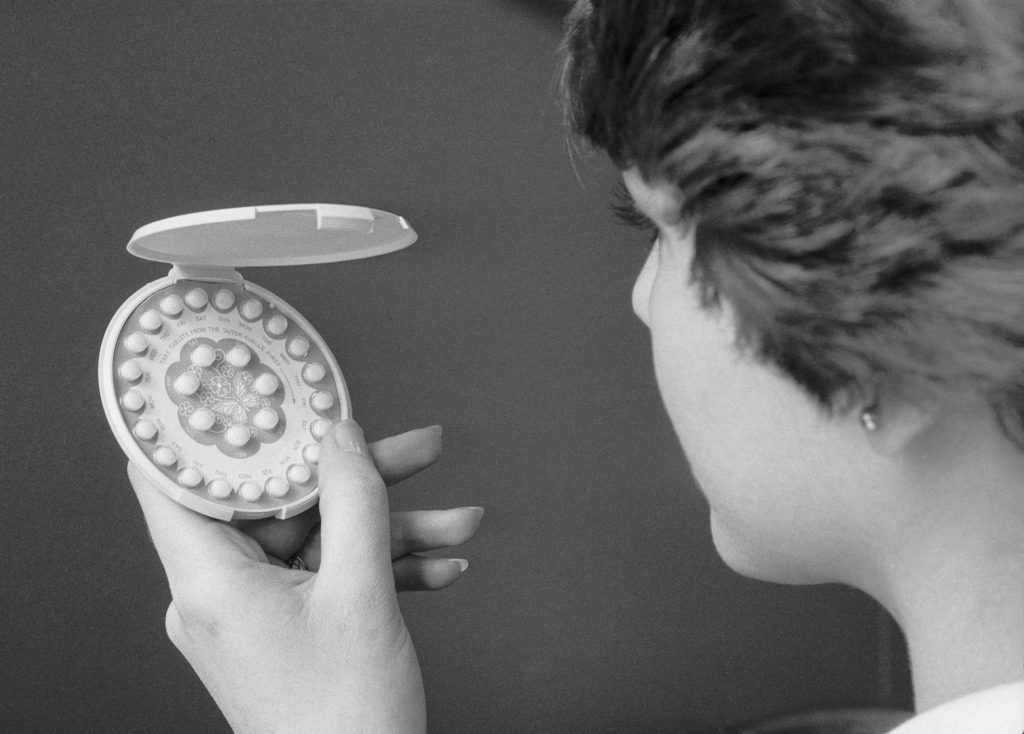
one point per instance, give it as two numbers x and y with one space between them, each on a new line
354 528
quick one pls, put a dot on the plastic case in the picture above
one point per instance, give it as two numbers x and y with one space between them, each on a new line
217 389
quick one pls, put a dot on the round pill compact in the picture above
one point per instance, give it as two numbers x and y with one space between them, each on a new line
217 389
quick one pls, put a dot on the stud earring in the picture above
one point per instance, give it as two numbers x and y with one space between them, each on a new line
869 419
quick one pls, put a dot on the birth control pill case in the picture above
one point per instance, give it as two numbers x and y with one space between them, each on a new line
216 388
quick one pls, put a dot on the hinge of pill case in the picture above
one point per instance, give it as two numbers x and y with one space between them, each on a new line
211 274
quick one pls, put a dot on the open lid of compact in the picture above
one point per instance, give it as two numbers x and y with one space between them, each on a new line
282 234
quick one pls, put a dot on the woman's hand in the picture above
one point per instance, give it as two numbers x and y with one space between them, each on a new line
396 458
283 650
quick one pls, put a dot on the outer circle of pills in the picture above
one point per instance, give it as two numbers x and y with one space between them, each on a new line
250 491
219 489
299 474
133 400
277 325
320 428
190 477
298 347
321 400
224 299
165 456
313 372
172 305
251 309
151 320
130 370
277 487
136 342
196 298
311 453
144 430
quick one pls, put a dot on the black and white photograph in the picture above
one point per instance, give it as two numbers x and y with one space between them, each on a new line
512 366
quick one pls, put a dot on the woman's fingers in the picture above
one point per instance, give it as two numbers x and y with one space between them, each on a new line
399 457
414 532
423 530
396 457
415 573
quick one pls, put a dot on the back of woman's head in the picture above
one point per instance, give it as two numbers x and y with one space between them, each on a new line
854 169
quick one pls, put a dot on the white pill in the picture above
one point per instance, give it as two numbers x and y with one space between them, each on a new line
266 419
144 430
190 477
321 400
133 400
250 491
136 342
203 355
298 347
202 419
238 356
313 372
165 456
172 305
219 489
238 435
130 370
151 320
251 309
277 487
311 453
186 383
224 299
197 298
299 474
265 384
320 428
277 325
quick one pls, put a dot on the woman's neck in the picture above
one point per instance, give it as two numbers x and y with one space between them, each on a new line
953 572
964 624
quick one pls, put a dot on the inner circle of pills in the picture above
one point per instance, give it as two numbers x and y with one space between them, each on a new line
238 356
225 395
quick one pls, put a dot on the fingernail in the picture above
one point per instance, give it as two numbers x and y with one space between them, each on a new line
349 436
436 429
462 563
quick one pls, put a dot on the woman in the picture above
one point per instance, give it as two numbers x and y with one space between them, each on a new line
835 196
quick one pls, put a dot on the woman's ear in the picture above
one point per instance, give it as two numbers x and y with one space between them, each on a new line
893 423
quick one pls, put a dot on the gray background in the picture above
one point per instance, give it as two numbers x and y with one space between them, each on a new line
595 601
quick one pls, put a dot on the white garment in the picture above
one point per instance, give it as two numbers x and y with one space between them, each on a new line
998 710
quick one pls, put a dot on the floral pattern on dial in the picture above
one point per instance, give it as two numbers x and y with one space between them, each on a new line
227 392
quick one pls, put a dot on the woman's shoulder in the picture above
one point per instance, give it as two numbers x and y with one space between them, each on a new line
997 710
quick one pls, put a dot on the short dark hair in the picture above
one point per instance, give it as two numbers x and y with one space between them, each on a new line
854 169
